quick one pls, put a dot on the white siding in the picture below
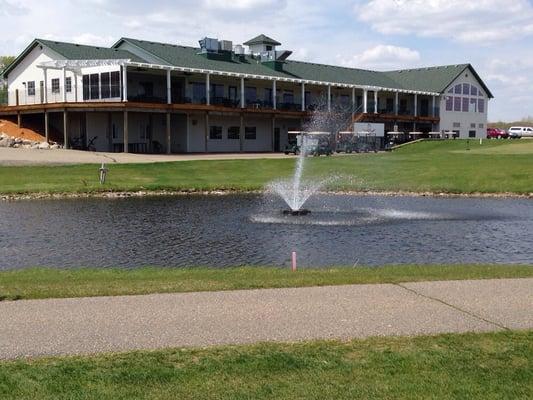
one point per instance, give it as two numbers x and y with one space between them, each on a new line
467 121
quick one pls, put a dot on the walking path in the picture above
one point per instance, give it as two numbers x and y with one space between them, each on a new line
33 328
11 156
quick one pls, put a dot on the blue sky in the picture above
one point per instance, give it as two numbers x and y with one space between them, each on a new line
493 35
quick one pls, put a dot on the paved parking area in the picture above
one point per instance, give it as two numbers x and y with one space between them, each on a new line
11 156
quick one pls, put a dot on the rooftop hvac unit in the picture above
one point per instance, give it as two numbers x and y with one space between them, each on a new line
225 45
238 49
208 44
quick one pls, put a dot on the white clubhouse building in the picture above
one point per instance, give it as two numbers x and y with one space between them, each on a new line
142 96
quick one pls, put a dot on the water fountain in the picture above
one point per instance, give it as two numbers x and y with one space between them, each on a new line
322 127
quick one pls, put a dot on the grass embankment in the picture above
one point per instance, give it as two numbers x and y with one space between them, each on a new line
454 166
39 283
468 366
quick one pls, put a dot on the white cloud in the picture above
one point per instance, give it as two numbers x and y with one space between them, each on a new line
383 57
481 21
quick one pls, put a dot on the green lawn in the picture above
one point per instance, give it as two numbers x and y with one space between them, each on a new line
485 366
38 283
455 166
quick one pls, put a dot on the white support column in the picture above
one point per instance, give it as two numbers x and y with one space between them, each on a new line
365 101
169 88
65 129
65 85
207 90
303 98
75 77
396 102
375 101
433 107
126 132
45 97
329 98
243 103
169 143
353 100
274 95
46 125
416 105
124 82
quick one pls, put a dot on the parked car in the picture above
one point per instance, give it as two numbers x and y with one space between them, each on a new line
517 132
495 133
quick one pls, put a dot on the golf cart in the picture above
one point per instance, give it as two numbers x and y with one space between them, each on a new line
315 143
345 142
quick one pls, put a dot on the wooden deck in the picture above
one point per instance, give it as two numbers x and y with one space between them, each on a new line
191 108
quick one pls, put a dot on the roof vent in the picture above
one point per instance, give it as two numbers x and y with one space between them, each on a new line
208 45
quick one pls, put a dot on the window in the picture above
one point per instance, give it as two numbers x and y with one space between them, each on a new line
250 94
55 85
95 86
450 91
471 134
473 125
458 89
268 96
480 93
449 103
268 48
481 126
473 105
31 88
481 106
456 124
115 84
466 102
232 93
466 88
217 91
215 132
250 133
198 92
86 87
456 104
234 132
473 90
68 85
106 89
288 97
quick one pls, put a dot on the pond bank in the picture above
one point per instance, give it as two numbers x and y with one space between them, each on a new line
222 192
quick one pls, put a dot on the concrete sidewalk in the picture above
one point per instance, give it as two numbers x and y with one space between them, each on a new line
33 328
10 156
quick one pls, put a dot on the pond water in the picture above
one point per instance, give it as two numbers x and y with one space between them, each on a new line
233 230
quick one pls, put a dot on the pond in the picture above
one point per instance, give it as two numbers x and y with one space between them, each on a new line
234 230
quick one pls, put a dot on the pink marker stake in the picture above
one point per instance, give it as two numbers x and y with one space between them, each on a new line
293 261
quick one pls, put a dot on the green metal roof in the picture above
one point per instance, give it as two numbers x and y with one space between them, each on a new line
433 79
72 51
262 39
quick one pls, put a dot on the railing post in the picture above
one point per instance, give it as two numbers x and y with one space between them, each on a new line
365 101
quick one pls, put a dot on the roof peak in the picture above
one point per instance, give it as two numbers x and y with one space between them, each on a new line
262 39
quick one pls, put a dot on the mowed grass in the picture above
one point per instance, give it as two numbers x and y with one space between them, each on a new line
39 283
468 366
454 166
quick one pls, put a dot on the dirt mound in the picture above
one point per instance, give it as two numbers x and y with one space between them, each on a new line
11 129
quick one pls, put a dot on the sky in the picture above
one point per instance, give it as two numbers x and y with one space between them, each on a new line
495 36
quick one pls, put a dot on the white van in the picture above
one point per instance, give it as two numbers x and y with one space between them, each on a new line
520 131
